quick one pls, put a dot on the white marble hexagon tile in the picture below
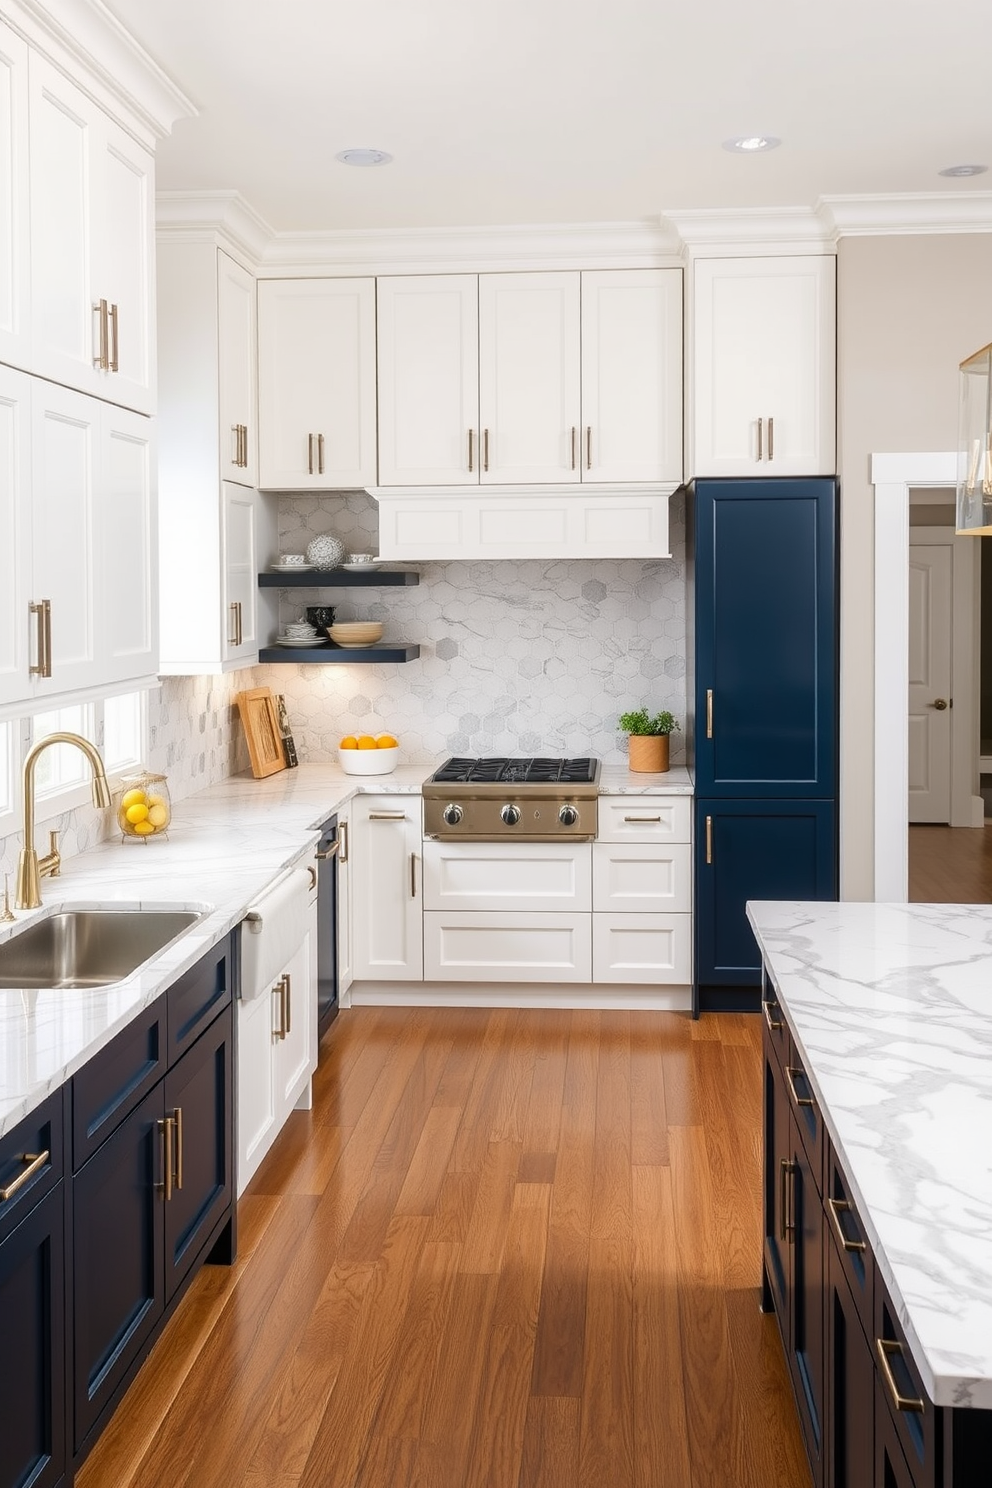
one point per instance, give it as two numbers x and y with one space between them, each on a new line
515 657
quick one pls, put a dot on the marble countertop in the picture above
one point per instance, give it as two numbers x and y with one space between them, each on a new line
225 846
890 1006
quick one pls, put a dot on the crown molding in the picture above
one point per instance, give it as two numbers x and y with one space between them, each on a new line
909 212
711 233
83 36
222 216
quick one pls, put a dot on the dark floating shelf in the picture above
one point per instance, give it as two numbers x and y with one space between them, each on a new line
338 578
337 655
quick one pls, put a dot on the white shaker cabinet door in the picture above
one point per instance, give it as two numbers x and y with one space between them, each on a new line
763 384
631 375
15 547
529 378
256 1084
14 208
237 359
127 557
296 1022
427 331
316 412
123 225
239 560
387 904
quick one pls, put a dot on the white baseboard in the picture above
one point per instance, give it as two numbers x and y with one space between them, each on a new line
622 997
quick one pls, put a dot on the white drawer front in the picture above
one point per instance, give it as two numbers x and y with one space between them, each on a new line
639 877
507 947
498 876
645 819
642 948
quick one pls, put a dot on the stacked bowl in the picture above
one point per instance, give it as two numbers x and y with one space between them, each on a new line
355 632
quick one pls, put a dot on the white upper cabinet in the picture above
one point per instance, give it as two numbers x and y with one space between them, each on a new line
91 228
236 383
14 217
316 408
631 375
127 562
427 328
529 379
15 519
764 376
239 571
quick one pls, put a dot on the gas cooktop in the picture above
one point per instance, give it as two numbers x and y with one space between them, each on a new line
502 769
491 800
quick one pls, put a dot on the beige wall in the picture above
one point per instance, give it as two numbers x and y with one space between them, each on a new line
909 310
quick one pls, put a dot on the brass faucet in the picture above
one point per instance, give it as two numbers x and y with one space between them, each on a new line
30 868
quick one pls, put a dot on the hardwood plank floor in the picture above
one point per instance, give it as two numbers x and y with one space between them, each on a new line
507 1249
950 865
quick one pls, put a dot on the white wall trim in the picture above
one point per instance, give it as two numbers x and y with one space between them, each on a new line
892 476
907 213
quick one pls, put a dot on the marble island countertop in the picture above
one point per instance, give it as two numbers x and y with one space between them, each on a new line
890 1006
225 845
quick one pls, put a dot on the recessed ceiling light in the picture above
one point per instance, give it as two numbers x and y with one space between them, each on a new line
752 144
964 170
363 157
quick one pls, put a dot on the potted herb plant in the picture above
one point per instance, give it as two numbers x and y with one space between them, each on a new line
649 739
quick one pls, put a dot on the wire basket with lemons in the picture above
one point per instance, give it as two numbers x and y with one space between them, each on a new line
368 754
143 807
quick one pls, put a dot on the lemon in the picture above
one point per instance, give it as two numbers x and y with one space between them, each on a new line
385 741
143 829
158 815
133 798
137 813
348 742
366 741
156 801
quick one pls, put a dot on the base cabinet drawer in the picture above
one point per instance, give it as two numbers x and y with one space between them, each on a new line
631 818
540 947
495 877
642 877
639 948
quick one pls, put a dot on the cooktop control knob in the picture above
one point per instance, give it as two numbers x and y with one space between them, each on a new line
452 813
568 816
510 815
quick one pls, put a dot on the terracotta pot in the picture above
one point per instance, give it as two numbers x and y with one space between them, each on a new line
649 753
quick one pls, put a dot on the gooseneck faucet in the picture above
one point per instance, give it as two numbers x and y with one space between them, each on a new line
30 868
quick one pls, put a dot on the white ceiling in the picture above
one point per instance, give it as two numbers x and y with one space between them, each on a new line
534 111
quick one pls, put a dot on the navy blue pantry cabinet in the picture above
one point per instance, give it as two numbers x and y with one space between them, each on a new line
761 566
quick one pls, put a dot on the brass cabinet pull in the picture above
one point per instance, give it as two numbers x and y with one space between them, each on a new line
836 1206
114 364
177 1122
771 439
471 450
790 1075
387 816
332 852
320 454
279 990
232 639
709 712
787 1227
709 839
236 431
485 449
102 359
343 842
774 1025
573 446
589 446
35 1162
413 875
641 821
241 632
165 1133
289 1002
313 875
760 432
310 454
43 666
887 1347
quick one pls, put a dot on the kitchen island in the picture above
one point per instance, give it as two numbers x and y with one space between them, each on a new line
886 1013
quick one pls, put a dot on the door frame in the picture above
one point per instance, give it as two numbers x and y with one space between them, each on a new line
893 476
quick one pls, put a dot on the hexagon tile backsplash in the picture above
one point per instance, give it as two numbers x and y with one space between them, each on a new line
515 657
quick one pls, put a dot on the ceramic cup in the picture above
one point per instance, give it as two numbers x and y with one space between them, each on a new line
292 560
320 616
361 557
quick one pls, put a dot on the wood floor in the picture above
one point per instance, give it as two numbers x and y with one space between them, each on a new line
505 1250
950 865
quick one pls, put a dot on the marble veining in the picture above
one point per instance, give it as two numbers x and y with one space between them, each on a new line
890 1006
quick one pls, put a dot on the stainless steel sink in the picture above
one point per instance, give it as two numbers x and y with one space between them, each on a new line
88 947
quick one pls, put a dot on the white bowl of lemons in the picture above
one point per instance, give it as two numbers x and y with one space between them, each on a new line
368 754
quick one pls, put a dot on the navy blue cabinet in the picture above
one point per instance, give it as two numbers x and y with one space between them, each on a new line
761 557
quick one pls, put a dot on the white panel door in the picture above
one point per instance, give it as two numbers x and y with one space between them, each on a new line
929 682
427 331
14 204
238 354
15 520
480 947
240 568
65 445
507 876
316 353
296 1020
127 590
642 948
387 908
641 877
255 1084
123 226
529 378
632 375
764 377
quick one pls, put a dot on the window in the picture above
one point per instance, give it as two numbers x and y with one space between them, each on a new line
7 797
62 768
124 732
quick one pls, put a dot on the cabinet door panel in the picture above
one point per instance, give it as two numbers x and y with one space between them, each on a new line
32 1361
240 560
808 1287
256 1085
14 235
15 522
851 1379
118 1292
643 949
758 850
115 1080
388 889
765 638
295 1053
477 947
529 396
777 1250
199 1087
237 360
123 228
427 332
199 995
127 589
